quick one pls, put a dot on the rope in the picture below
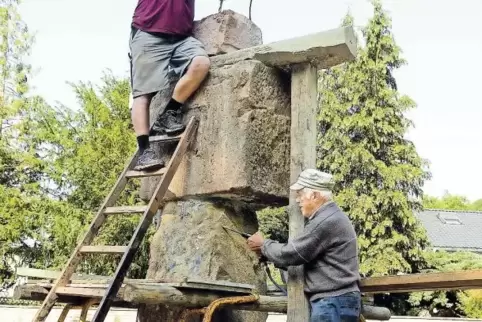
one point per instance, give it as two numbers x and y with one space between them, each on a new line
227 301
216 304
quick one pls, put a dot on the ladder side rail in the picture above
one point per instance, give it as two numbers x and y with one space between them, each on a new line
76 256
156 199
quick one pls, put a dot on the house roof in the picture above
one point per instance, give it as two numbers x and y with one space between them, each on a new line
453 229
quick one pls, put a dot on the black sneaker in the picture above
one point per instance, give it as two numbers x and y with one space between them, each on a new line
167 123
149 160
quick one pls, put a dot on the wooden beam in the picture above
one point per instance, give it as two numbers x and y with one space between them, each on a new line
64 313
423 282
458 280
303 156
323 49
165 294
471 279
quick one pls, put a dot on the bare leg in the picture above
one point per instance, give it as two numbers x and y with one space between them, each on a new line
195 74
140 114
185 87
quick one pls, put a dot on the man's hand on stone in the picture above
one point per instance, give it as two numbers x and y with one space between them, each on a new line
255 242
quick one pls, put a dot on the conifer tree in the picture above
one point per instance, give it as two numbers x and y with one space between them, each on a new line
378 172
15 42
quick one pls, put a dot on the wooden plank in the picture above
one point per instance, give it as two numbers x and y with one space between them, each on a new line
146 220
48 274
471 279
85 309
303 156
76 278
37 293
324 49
104 249
76 256
78 285
217 285
125 210
84 292
102 284
216 288
142 174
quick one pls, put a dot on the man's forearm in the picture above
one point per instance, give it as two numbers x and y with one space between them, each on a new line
281 255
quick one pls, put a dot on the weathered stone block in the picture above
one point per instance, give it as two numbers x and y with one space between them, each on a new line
191 242
242 146
227 31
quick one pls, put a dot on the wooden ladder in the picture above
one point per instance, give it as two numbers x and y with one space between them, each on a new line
129 251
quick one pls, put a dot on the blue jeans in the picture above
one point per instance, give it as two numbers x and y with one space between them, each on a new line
343 308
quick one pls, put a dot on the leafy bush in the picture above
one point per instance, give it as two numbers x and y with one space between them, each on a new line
471 303
450 303
274 223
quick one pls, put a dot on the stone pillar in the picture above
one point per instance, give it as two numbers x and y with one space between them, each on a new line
240 158
239 162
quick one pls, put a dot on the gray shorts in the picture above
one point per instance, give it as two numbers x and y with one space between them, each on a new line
154 56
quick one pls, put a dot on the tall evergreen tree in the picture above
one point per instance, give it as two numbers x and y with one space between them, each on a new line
19 171
379 175
84 151
57 165
15 42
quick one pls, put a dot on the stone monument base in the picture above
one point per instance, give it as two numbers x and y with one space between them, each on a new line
191 242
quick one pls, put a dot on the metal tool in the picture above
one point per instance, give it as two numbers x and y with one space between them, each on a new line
245 235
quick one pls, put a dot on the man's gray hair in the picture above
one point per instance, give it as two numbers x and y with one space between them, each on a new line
324 193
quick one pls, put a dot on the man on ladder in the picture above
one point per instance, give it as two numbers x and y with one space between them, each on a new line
160 40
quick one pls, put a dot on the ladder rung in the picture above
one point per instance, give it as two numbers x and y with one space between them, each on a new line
165 138
142 174
125 210
104 249
129 252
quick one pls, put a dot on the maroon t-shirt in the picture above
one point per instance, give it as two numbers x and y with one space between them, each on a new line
167 16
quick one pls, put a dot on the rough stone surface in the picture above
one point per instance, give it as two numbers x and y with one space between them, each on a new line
191 242
323 49
226 32
240 157
242 146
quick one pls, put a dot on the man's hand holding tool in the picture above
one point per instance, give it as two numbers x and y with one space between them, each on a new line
255 242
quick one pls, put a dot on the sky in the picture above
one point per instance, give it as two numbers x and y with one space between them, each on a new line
78 40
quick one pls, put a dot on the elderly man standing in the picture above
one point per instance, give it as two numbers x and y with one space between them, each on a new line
327 247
